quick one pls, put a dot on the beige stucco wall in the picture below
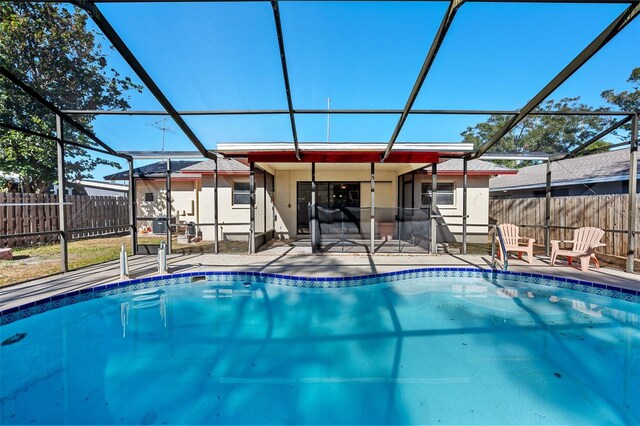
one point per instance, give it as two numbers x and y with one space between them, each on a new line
183 200
234 220
286 193
477 207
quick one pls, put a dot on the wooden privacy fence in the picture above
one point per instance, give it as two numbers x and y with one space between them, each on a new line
608 212
38 213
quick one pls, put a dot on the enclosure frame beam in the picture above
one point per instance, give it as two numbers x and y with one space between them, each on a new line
216 247
633 177
112 35
598 43
373 208
432 213
594 139
285 75
346 112
264 202
413 189
355 1
55 138
62 220
547 211
252 206
313 212
169 205
465 184
446 22
133 206
51 107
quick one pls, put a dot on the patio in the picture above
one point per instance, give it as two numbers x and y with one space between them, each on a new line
302 246
295 262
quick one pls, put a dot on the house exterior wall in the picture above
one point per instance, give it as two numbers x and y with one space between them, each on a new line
183 199
155 208
184 195
193 201
233 220
286 193
477 207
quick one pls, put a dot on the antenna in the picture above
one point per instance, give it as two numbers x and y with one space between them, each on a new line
162 125
328 120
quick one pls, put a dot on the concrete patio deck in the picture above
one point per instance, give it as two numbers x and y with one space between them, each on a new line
285 262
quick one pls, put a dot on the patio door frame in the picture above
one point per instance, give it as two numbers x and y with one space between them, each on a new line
318 185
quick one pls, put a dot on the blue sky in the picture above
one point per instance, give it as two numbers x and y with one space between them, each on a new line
361 55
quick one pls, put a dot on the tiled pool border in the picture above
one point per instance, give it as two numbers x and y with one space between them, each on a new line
32 308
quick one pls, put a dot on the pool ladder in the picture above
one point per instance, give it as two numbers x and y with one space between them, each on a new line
162 259
496 235
142 300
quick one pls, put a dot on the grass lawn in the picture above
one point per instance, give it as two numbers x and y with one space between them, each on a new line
36 262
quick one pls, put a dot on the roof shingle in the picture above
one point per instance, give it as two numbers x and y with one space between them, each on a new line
596 166
156 169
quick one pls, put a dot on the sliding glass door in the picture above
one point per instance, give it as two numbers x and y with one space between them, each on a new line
339 197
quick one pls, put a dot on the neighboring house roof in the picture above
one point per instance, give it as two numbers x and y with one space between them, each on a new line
184 169
108 186
225 166
153 170
603 167
454 166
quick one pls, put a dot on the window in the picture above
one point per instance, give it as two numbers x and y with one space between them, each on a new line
241 193
444 194
148 196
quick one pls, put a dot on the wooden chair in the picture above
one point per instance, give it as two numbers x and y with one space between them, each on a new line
585 240
512 241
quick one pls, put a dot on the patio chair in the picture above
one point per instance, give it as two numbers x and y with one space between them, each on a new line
585 240
513 240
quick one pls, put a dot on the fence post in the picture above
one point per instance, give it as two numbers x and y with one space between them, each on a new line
547 211
61 213
633 176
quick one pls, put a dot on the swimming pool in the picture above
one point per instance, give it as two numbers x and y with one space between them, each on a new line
421 346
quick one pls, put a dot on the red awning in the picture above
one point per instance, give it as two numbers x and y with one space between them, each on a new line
343 157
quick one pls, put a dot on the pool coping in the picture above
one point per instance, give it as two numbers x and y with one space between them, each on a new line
34 307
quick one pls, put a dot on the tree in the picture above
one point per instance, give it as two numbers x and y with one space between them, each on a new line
51 48
626 101
540 133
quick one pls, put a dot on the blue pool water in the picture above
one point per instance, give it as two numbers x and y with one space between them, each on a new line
437 350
